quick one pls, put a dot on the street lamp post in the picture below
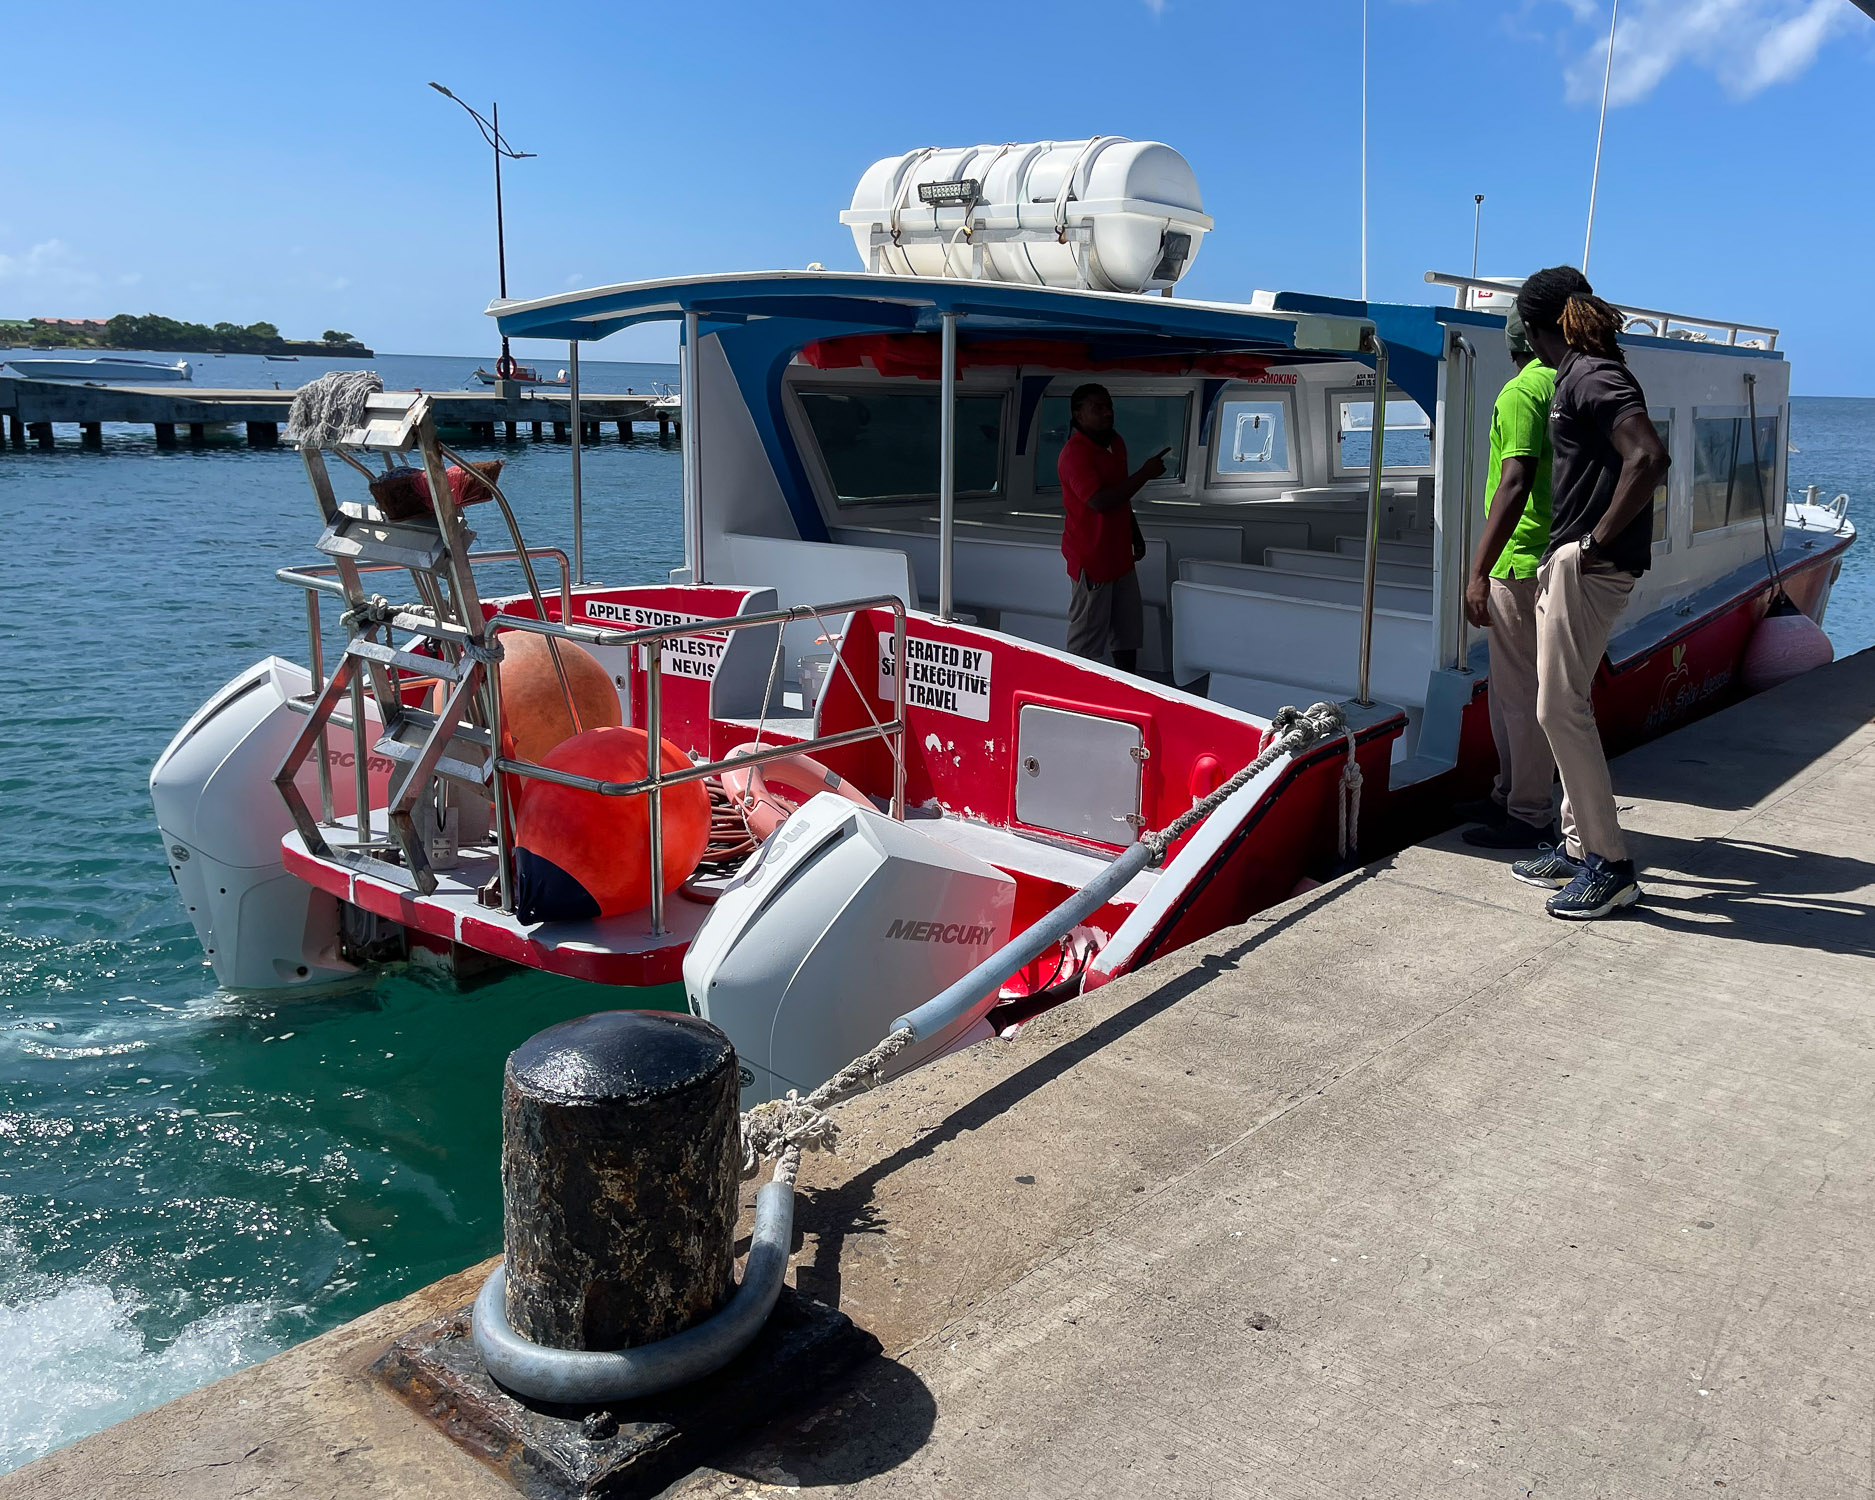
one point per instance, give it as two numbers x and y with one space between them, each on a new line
491 132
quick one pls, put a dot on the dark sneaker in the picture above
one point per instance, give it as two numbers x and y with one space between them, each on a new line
1480 810
1548 867
1603 886
1512 833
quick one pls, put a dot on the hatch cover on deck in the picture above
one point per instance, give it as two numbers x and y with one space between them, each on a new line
1078 774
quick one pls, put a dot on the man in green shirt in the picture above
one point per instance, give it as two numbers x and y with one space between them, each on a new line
1501 594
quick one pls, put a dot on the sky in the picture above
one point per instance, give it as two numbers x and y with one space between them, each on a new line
245 163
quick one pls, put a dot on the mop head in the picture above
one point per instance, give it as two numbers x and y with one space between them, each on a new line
326 409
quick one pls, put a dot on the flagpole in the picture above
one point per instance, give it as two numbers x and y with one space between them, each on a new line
1363 150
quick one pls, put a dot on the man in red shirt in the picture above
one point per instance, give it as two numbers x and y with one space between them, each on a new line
1099 536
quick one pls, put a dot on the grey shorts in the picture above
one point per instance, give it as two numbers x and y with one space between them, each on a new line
1105 617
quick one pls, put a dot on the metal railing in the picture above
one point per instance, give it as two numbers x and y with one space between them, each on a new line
1463 345
322 578
651 641
1659 323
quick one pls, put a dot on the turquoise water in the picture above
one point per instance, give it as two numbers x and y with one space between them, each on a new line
189 1180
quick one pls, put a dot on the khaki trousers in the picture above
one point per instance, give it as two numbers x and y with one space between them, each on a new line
1575 610
1525 767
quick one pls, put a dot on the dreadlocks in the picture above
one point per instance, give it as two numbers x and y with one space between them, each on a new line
1562 298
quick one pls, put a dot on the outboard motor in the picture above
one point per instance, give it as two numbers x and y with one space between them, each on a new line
222 818
842 922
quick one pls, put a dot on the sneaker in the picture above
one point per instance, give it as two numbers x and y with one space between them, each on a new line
1512 833
1480 810
1548 867
1604 885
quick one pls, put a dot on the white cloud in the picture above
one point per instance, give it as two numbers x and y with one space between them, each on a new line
1157 7
1748 45
50 263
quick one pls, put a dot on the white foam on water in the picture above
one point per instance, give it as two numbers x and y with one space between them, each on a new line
73 1361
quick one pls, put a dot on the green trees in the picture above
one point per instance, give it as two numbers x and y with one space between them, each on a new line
153 331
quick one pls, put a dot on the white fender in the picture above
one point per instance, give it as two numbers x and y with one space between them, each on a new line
222 819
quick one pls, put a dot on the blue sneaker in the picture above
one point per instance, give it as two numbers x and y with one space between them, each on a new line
1549 867
1604 886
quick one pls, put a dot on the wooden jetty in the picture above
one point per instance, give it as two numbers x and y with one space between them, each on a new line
32 408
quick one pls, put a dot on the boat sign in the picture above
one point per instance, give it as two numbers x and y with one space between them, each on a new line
945 675
696 656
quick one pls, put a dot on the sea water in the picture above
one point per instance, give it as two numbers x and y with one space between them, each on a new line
191 1180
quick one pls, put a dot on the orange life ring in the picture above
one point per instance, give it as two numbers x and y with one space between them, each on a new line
801 774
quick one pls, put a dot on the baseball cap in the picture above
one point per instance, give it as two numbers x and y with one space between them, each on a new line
1513 332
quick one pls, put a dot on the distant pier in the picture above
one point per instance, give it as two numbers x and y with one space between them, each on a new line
31 409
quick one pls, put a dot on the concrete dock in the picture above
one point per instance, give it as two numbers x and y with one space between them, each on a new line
32 408
1401 1189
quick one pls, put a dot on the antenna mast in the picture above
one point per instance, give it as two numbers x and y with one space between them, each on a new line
1595 180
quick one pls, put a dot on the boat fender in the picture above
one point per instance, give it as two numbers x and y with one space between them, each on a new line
748 787
1786 644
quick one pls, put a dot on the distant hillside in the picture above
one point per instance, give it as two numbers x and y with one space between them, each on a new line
152 332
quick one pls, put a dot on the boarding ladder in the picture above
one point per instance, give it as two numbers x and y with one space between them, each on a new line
431 750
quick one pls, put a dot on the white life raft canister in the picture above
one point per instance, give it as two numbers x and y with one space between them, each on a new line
1105 214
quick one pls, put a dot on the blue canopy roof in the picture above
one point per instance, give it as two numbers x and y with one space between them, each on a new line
853 302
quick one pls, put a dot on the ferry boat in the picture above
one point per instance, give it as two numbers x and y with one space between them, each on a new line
874 604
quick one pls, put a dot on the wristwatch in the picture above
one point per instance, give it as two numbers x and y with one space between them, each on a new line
1587 544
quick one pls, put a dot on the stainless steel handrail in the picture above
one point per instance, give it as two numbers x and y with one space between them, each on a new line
321 579
1728 326
1376 461
326 574
1460 343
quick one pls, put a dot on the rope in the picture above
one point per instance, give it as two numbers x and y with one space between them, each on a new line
377 610
326 409
784 1128
1757 475
1348 803
1291 732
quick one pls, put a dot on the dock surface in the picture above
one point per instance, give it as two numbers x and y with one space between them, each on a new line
1403 1188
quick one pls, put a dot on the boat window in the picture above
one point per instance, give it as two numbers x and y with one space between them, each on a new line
1250 438
1409 431
1662 425
881 447
1145 423
1727 489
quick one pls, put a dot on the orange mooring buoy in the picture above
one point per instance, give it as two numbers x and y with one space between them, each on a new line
582 854
533 705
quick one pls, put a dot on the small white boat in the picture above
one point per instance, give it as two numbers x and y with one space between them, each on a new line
109 367
523 375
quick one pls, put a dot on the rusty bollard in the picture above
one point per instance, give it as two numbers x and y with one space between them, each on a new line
619 1168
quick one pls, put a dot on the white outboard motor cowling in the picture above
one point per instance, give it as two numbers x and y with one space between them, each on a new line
222 819
844 921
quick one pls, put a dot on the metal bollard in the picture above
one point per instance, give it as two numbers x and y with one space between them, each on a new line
620 1159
